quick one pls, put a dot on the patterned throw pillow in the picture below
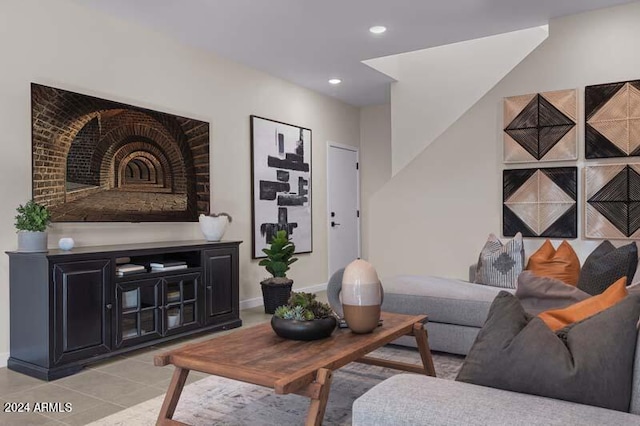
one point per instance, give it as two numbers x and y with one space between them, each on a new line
606 265
500 264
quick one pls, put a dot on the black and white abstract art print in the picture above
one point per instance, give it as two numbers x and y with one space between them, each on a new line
281 183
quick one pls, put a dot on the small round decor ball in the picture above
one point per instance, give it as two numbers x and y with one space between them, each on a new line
361 296
66 243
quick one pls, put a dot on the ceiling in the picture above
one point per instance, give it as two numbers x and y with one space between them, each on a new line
308 42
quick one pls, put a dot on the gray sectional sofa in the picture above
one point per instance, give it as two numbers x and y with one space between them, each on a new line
457 309
410 399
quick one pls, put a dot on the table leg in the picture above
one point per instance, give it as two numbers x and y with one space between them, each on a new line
422 339
171 398
319 403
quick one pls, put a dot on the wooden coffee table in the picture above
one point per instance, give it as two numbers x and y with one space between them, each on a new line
256 355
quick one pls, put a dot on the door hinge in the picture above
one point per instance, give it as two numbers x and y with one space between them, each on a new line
357 213
357 166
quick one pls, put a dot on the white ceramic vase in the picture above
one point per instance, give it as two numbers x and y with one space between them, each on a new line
361 296
213 228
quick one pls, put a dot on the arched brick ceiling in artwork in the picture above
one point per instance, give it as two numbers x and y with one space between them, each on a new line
141 148
157 167
131 134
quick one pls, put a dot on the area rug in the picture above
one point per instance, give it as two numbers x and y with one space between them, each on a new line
219 401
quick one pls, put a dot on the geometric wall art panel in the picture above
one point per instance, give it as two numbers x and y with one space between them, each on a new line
281 187
540 202
612 115
541 127
612 208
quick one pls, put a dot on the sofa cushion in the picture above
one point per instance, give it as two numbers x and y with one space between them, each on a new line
593 365
538 294
409 399
444 300
606 265
562 264
559 318
500 264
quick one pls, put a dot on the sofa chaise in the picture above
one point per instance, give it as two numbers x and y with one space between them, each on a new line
457 309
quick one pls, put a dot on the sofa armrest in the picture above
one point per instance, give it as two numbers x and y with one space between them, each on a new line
410 399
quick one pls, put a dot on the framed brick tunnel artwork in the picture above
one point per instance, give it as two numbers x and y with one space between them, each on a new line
281 183
96 160
540 202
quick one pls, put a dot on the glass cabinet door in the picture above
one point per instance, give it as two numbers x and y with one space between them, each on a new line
180 303
138 307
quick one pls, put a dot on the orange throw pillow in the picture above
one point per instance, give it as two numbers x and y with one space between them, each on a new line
559 318
562 264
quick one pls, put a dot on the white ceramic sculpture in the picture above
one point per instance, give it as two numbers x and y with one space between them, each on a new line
361 296
213 227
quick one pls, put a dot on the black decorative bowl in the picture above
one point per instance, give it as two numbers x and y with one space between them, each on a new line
303 330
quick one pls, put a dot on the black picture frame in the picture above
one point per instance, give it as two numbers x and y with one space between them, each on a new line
280 153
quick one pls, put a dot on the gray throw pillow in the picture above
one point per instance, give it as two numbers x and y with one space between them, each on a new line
500 264
606 265
591 363
538 294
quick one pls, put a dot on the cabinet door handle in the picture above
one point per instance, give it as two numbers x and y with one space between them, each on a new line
109 306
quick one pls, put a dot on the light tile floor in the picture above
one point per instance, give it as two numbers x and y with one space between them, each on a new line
103 388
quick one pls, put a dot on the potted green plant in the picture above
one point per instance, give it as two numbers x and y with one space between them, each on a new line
31 222
277 288
303 318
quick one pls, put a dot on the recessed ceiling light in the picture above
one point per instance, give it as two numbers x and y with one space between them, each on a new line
377 29
335 81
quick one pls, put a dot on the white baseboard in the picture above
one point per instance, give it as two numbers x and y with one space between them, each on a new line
257 301
4 356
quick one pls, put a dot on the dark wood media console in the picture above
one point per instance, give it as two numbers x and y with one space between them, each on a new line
69 309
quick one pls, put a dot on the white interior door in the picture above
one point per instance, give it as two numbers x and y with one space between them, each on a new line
343 201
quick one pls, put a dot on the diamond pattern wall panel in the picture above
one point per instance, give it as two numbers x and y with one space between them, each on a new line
612 115
540 202
541 127
612 207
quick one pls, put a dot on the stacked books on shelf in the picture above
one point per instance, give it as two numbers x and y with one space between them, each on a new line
168 265
129 269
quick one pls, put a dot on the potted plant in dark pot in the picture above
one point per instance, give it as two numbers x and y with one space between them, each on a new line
31 222
277 288
303 318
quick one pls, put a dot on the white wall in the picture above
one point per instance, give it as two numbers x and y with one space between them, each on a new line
375 162
436 86
63 44
434 216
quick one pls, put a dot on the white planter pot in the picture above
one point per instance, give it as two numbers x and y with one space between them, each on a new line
32 242
213 228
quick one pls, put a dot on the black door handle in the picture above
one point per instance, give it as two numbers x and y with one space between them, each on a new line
334 224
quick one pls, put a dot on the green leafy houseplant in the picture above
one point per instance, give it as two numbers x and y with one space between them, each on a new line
32 217
279 258
303 307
